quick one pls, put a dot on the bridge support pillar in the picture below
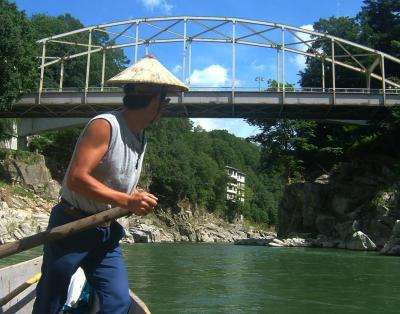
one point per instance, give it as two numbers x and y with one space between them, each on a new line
11 128
22 143
31 126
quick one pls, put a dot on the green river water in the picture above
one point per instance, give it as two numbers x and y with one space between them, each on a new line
205 278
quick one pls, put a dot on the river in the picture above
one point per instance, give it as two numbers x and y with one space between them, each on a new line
206 278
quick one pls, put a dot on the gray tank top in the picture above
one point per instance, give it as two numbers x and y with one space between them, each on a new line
120 167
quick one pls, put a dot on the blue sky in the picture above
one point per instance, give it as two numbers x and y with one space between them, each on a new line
211 63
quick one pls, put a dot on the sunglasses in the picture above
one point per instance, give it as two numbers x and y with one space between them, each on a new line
163 99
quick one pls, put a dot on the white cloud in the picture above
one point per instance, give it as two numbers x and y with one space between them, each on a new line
206 123
212 76
257 67
305 36
299 60
177 69
238 127
157 4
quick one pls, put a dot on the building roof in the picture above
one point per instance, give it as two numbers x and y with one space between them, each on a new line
229 167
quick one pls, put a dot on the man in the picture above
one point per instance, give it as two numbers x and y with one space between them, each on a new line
103 173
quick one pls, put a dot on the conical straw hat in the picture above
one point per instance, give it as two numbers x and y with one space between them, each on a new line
148 71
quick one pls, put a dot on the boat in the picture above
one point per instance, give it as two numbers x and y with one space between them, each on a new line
18 283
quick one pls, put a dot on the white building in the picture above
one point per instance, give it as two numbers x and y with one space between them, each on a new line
236 184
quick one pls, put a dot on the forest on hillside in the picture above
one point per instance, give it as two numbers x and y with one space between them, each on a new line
185 162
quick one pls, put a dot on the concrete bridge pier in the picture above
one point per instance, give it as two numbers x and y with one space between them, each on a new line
32 126
12 142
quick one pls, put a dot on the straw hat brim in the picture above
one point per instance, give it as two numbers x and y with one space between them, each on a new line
169 87
148 71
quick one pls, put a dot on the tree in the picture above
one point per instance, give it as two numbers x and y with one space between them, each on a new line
305 149
75 69
380 23
17 66
343 27
58 147
60 143
272 85
377 26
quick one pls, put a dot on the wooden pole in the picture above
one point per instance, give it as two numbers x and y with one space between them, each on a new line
62 231
22 287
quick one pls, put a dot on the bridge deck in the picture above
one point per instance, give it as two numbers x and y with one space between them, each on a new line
216 104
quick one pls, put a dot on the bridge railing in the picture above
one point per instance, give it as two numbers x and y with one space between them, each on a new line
393 91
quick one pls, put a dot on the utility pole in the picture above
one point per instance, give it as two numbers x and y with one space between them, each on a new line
259 79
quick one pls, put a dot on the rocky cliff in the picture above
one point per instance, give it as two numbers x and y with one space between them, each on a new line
355 206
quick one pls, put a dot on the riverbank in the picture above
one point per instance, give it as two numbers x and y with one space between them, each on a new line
358 242
26 201
24 213
28 192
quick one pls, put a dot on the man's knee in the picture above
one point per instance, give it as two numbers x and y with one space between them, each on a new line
117 302
60 272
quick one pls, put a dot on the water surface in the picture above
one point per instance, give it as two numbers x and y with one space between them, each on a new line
184 278
205 278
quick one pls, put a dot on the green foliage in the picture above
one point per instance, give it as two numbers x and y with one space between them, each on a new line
21 155
343 27
17 66
396 115
183 162
377 26
187 162
20 190
58 147
273 86
380 22
6 129
380 200
296 149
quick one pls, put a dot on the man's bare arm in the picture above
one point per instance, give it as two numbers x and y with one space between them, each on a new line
90 151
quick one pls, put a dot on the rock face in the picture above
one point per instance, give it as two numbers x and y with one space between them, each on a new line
29 170
360 241
27 212
145 234
21 216
181 223
392 247
274 242
354 207
25 207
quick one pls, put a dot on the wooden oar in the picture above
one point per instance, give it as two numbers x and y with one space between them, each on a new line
62 231
19 289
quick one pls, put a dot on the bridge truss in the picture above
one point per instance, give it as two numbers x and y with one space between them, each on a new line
188 30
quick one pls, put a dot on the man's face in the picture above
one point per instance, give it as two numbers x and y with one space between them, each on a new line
156 106
158 101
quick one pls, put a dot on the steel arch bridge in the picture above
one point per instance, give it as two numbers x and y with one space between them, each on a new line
325 102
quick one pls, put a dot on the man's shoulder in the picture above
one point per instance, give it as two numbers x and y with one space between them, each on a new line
110 114
111 117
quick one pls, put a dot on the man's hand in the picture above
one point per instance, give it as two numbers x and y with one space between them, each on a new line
142 203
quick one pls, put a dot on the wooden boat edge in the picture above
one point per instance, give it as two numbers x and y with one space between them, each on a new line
13 275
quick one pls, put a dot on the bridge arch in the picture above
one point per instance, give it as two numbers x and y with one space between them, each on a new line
234 31
233 101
